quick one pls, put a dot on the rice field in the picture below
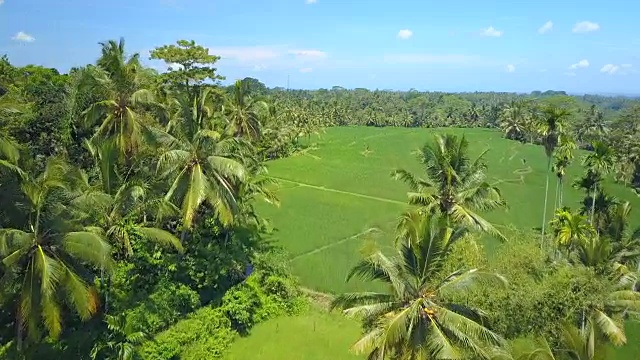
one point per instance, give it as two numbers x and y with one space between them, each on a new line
338 196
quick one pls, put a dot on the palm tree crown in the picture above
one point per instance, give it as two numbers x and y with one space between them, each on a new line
412 320
46 256
455 185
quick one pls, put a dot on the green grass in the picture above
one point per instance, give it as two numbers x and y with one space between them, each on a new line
336 192
314 335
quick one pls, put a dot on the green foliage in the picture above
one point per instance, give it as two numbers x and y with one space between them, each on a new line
189 64
168 303
241 304
540 293
207 325
207 333
179 156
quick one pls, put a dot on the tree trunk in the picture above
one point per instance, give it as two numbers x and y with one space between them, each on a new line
561 191
19 333
546 192
593 203
557 195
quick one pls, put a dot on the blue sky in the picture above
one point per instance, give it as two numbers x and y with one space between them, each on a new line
577 46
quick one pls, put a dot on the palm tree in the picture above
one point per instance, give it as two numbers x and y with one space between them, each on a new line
550 127
562 156
454 186
592 127
121 342
412 320
513 118
576 344
118 208
570 229
203 167
46 256
121 80
599 162
9 148
243 112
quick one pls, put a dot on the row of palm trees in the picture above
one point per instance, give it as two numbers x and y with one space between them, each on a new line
160 158
414 318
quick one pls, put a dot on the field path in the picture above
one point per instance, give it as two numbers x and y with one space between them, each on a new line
339 191
324 247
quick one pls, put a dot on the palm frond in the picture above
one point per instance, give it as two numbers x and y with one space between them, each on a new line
89 247
161 237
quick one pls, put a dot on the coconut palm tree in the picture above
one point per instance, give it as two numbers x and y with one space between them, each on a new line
47 254
205 166
121 341
244 112
455 185
513 118
9 148
412 320
599 162
550 127
120 79
119 207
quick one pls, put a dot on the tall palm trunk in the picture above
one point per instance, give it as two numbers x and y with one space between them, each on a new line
556 203
561 190
546 193
593 203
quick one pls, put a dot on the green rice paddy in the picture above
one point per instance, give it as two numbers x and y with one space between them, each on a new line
338 197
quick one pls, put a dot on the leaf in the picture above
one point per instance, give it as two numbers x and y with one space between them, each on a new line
161 236
50 273
89 247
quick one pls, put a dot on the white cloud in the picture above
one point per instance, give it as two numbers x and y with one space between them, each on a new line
580 64
260 57
616 69
1 2
246 53
585 27
22 36
405 34
309 2
306 70
429 59
610 69
546 27
510 68
491 31
308 54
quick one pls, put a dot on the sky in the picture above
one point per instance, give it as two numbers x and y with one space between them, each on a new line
447 45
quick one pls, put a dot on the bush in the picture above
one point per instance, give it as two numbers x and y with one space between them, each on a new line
540 293
267 293
206 329
165 306
241 304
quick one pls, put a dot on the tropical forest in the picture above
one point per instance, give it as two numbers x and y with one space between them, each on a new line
181 214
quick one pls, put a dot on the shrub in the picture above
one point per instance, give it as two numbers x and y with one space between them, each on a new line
540 293
166 305
207 329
